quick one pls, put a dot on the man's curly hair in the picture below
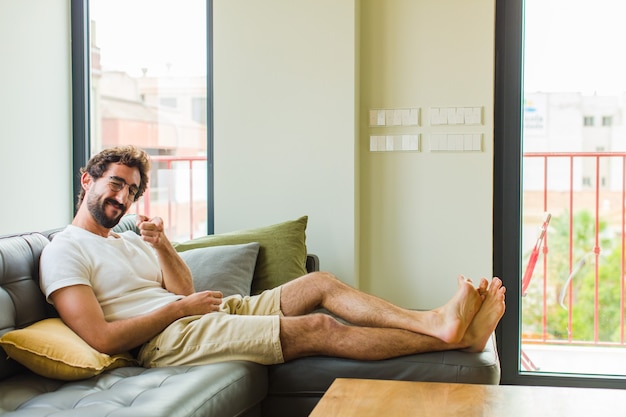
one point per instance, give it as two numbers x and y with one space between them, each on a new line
129 155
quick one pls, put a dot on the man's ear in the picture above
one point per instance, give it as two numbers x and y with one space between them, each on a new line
86 180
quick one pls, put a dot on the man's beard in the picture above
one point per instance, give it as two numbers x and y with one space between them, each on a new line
97 210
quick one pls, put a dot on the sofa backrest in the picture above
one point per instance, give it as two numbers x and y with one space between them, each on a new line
21 301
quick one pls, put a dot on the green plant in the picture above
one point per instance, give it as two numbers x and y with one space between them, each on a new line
570 282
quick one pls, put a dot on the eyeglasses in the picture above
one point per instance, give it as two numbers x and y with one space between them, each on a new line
117 184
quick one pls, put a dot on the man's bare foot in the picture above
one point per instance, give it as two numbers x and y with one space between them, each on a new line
482 287
487 318
451 321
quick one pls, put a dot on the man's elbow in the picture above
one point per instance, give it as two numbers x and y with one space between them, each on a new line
182 289
106 342
106 346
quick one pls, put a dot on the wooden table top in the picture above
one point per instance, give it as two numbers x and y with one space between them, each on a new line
380 398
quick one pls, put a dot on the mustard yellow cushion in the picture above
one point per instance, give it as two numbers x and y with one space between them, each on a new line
51 349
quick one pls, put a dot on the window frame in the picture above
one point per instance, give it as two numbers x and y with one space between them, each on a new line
507 201
81 149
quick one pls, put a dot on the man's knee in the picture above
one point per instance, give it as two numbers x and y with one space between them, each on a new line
307 293
322 278
308 325
323 323
306 335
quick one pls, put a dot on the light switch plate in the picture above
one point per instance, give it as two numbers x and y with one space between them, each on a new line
455 142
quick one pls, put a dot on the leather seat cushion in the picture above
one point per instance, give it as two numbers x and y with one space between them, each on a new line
222 389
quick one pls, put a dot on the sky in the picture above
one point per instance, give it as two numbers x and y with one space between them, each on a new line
570 45
575 46
166 37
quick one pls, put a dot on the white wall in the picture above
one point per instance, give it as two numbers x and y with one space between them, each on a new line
285 121
405 224
35 114
294 81
426 217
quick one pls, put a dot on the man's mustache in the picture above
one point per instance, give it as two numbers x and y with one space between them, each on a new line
116 204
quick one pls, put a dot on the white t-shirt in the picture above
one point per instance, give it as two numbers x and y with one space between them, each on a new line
123 272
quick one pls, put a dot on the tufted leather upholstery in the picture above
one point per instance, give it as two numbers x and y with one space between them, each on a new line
21 300
225 389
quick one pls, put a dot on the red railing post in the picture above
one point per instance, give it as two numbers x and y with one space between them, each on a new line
169 193
623 210
570 293
190 199
596 251
545 277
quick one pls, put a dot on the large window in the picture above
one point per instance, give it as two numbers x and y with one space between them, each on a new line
142 76
570 319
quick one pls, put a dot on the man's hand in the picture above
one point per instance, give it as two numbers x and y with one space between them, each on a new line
151 230
177 277
200 303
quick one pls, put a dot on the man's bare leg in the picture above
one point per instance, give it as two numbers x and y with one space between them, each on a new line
319 334
447 323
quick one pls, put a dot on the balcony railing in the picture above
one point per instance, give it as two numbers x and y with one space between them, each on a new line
177 192
577 293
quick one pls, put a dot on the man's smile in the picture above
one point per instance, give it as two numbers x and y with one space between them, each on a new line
115 204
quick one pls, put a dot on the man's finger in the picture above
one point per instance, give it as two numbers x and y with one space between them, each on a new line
140 219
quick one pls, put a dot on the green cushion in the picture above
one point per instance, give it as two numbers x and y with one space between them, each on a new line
282 255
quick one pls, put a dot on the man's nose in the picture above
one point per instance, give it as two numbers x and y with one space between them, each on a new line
122 196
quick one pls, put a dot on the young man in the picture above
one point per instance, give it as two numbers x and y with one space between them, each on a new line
120 292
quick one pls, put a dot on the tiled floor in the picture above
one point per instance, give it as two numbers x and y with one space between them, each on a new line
577 359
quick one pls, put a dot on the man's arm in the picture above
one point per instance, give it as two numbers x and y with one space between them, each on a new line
80 310
177 277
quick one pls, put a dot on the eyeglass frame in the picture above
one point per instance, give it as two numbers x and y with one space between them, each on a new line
117 184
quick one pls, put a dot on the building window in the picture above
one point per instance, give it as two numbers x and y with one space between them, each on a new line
588 121
607 121
198 109
169 102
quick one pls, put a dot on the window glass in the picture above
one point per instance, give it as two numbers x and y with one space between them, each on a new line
573 302
148 87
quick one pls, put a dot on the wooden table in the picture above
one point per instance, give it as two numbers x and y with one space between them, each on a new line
365 398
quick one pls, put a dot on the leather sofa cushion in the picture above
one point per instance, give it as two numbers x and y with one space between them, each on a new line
223 389
21 301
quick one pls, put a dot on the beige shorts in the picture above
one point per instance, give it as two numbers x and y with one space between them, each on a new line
246 328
